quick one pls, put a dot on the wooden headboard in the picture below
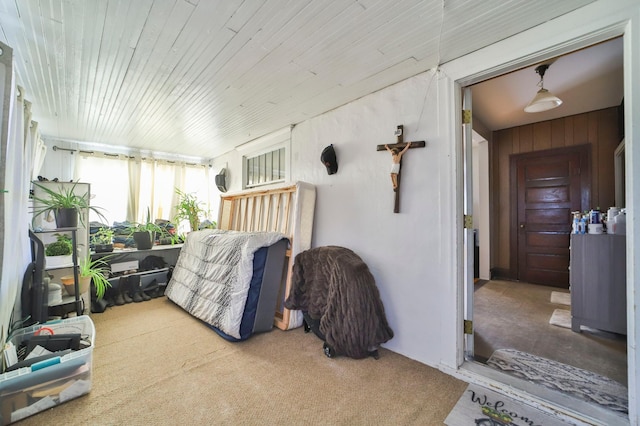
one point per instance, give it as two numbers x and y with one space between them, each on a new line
287 209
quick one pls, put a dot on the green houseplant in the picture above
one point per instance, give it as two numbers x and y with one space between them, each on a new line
103 240
144 234
97 272
168 234
94 271
59 252
65 204
188 208
61 247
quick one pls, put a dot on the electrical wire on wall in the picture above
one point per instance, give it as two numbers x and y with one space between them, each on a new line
436 70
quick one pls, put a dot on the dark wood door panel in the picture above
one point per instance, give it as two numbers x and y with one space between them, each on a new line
549 262
548 194
548 186
547 170
552 279
559 215
548 239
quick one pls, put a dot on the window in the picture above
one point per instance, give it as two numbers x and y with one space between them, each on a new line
126 188
266 168
108 177
265 160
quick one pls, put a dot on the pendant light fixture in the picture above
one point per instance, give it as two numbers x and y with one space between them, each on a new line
544 100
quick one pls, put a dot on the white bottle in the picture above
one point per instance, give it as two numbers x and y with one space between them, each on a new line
620 223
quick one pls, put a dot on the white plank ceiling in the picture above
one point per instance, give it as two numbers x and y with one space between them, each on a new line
199 77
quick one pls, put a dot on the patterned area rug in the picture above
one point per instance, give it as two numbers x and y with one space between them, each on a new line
574 381
480 406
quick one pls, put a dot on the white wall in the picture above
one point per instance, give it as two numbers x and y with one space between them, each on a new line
406 252
354 207
481 204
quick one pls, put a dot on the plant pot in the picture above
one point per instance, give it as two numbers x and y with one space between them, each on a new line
58 261
66 218
103 248
144 239
165 241
69 286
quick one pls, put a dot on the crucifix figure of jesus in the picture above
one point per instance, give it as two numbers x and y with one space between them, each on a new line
396 158
397 150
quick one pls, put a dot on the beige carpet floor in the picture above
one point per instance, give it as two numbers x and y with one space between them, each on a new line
153 364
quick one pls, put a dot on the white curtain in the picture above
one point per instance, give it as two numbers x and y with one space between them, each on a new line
133 205
38 150
108 177
158 180
127 188
197 181
34 148
18 167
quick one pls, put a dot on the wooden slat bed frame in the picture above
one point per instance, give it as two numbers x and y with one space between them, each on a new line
287 209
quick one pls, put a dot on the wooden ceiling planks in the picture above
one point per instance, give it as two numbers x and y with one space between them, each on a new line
494 20
199 77
152 38
190 77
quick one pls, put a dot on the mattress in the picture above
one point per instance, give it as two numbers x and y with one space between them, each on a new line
260 307
214 279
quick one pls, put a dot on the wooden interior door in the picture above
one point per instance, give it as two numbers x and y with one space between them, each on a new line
549 186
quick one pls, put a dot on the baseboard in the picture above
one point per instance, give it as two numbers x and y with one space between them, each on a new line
501 274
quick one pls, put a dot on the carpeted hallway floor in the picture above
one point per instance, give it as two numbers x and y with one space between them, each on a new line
156 365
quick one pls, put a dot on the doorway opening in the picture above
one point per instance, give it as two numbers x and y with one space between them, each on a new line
530 167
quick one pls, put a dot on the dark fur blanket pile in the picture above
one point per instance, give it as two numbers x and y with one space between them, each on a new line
334 285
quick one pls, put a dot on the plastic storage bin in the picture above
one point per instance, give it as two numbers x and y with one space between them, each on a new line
29 390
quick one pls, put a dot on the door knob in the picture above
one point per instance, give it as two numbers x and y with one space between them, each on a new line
522 225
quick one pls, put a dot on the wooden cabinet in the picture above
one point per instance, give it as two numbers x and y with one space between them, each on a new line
598 282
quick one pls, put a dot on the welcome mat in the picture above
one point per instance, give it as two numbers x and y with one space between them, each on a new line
574 381
561 318
480 406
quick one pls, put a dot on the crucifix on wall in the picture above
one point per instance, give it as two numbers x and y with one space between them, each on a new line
397 150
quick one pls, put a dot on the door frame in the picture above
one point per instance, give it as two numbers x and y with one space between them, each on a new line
584 151
586 26
468 233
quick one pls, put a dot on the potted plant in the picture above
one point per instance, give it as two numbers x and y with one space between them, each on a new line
59 252
144 234
168 234
188 208
65 204
103 240
94 271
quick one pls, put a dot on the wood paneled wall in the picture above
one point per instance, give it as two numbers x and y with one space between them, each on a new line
598 128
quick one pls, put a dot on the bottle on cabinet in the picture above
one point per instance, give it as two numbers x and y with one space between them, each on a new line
619 223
